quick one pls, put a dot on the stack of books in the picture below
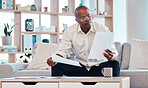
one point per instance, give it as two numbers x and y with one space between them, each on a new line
6 4
9 48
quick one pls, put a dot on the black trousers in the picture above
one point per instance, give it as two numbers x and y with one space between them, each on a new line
68 70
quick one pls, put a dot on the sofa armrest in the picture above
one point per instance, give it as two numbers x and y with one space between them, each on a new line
6 70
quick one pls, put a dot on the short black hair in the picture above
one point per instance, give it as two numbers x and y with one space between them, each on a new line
79 8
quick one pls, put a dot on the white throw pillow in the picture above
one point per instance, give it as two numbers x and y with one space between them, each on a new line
139 54
42 52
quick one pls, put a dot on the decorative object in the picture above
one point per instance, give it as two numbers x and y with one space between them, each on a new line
105 13
26 8
29 25
18 6
45 9
33 7
7 39
38 29
45 40
65 9
100 12
43 28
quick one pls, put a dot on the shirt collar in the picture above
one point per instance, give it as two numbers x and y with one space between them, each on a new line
92 29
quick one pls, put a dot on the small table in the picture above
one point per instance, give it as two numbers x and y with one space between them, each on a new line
65 82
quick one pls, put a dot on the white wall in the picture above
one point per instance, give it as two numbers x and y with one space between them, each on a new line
137 19
119 20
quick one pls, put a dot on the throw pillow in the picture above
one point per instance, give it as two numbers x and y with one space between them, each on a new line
139 54
42 52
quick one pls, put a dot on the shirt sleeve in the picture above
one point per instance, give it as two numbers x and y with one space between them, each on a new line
65 46
114 50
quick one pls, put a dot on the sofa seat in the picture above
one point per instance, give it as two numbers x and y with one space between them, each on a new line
32 73
138 78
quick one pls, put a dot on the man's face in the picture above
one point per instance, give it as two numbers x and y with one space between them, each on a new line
83 17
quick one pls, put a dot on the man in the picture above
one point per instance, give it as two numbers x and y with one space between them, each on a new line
77 40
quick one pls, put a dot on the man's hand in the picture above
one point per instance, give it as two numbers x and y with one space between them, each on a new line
50 62
109 54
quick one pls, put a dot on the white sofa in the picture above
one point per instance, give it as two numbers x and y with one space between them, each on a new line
139 78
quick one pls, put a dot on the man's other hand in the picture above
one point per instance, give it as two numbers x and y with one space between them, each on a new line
109 55
50 62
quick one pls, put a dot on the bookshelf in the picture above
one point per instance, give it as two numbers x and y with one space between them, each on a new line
54 13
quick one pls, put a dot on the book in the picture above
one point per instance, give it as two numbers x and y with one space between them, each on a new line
27 42
0 4
4 4
9 48
8 4
33 41
11 4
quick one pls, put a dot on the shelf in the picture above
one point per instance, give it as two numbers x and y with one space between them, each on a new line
35 12
25 11
51 33
15 52
7 10
100 16
66 14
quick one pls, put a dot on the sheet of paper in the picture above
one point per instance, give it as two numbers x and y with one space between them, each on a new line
102 41
65 61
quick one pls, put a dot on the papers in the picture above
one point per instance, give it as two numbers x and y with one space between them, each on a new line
33 77
64 60
102 41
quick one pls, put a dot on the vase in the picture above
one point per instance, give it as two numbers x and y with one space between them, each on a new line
7 40
29 24
33 8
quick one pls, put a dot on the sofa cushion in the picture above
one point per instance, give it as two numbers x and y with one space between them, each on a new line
32 73
126 50
42 52
139 54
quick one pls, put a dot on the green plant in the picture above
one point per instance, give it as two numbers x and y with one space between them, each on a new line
8 31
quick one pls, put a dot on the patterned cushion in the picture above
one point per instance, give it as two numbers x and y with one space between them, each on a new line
42 52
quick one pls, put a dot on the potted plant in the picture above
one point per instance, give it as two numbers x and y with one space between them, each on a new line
7 39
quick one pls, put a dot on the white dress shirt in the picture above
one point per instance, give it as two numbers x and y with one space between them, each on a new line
75 42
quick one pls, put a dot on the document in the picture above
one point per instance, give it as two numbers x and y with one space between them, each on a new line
102 41
64 60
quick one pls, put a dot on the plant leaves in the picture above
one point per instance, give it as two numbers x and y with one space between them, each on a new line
12 26
5 31
7 25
